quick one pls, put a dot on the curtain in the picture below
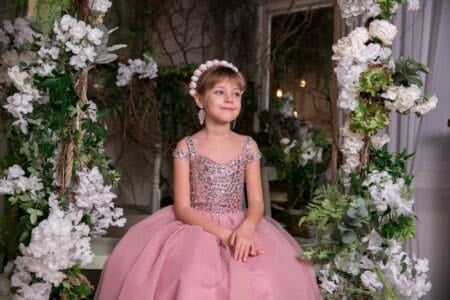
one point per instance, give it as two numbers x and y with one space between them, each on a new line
425 36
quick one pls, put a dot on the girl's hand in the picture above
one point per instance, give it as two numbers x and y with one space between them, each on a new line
244 244
225 236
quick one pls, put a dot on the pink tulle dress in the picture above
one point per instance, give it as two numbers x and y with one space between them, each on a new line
163 258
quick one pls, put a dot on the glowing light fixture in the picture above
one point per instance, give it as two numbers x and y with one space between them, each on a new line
295 114
302 83
279 93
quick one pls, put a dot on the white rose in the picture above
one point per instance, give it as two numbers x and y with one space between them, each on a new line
359 35
407 97
383 30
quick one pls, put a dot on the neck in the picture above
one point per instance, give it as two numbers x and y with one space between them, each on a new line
217 131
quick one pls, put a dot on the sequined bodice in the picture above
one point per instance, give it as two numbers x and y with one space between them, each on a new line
217 187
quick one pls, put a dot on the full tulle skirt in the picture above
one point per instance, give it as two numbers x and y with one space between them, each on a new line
164 259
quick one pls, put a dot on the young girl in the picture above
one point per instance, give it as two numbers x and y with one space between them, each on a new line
205 246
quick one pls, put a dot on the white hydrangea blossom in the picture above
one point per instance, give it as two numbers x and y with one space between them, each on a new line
368 8
57 243
426 106
138 66
95 199
401 99
378 141
353 57
384 193
352 145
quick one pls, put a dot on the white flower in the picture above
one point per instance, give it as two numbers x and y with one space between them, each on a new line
403 98
4 39
425 107
348 46
359 35
17 77
78 30
67 21
374 239
383 30
379 141
284 141
422 266
15 172
136 66
92 111
413 5
36 291
94 35
100 6
288 148
95 199
370 281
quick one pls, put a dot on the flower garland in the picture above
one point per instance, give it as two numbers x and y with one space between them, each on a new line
205 66
56 225
360 232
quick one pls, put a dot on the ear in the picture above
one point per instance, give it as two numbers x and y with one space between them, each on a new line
198 101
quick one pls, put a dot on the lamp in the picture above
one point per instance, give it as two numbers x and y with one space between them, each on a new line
279 93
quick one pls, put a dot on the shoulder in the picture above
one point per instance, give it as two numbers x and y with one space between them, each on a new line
251 144
182 144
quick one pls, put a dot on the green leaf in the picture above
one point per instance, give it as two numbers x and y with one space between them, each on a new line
348 237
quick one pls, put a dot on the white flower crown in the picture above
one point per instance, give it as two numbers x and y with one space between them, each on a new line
205 66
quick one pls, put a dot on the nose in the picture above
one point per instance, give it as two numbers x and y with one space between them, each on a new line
229 97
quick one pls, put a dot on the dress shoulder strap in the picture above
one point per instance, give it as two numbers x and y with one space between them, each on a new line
191 146
249 156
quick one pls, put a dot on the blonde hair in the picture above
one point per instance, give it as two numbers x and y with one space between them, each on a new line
213 75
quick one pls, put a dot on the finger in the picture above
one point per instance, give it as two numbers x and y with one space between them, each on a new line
233 239
239 251
246 252
236 248
253 251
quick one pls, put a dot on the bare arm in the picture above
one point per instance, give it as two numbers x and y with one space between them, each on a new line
183 210
242 239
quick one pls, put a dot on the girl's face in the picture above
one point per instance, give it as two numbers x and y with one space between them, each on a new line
222 103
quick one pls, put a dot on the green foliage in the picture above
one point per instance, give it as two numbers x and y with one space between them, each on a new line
377 78
401 228
47 11
369 118
407 72
393 163
386 7
327 208
176 107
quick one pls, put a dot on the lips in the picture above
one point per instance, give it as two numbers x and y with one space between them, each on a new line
228 108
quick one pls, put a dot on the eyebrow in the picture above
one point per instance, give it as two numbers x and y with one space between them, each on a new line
221 86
